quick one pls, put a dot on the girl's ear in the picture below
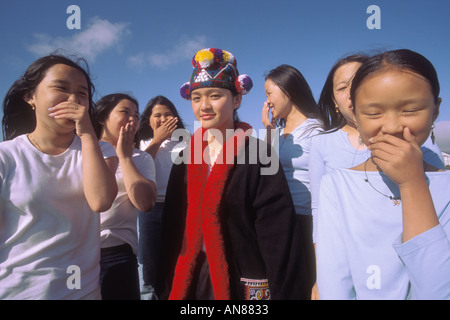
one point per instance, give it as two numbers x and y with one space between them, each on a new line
28 98
436 109
237 101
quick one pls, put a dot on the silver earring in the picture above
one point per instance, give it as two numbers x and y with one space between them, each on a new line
433 138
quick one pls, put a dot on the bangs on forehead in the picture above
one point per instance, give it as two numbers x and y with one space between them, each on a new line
389 67
403 60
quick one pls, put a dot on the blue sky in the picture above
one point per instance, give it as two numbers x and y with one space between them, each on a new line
145 47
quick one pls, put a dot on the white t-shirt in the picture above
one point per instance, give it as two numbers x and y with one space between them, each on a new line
163 163
49 236
119 223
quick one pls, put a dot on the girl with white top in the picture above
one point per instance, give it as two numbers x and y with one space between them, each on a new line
53 180
117 120
383 226
295 112
158 121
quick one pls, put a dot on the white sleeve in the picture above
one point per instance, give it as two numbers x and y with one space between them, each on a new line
334 278
147 166
426 258
143 144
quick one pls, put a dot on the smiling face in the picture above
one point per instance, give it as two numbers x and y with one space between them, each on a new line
390 100
160 114
278 101
342 82
61 83
124 112
214 107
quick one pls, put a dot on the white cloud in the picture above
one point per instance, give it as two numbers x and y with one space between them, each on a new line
184 49
99 36
138 61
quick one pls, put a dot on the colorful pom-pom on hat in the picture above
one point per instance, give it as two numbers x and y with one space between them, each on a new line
243 84
184 91
216 68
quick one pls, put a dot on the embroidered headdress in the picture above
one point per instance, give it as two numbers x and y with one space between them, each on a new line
216 68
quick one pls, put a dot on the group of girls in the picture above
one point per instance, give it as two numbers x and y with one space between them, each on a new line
73 185
359 210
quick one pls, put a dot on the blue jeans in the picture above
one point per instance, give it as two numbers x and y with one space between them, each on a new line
119 278
149 246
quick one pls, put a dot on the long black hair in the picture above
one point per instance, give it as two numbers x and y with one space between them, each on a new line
333 120
145 132
291 81
18 116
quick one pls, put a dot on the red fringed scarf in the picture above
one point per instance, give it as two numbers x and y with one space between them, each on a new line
203 221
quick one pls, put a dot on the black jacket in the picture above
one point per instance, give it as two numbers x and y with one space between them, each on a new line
264 238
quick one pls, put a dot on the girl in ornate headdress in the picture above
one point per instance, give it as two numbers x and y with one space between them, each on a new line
228 229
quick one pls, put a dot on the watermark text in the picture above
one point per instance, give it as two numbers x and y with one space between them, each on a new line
259 150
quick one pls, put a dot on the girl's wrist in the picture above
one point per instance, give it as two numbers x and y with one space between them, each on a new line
413 185
157 141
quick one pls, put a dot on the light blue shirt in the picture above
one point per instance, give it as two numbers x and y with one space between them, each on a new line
333 151
294 157
329 152
359 249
